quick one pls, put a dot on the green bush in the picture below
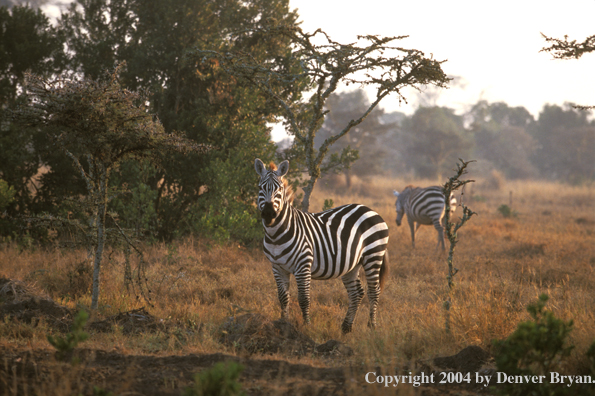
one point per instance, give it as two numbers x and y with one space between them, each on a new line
220 380
65 346
7 194
97 391
506 211
537 347
235 222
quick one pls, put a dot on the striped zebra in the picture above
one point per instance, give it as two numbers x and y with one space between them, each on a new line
331 244
423 206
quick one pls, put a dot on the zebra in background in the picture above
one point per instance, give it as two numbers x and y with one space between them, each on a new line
423 206
335 243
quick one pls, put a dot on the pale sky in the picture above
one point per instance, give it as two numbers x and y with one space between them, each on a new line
493 46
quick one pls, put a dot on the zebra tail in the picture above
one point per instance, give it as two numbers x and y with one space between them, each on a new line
383 270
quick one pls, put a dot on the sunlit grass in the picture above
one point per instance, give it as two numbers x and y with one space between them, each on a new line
504 264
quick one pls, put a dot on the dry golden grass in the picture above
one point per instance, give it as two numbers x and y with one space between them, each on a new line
504 264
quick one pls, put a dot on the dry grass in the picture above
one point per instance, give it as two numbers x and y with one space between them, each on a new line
504 263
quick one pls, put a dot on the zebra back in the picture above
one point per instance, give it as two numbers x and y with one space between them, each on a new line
422 205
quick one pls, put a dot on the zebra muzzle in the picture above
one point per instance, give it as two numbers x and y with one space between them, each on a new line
268 213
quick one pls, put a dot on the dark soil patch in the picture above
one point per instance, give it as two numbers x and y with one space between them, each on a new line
467 360
584 221
22 302
211 297
334 348
256 334
527 249
131 322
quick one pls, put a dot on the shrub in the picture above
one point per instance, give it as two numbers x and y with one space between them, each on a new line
220 380
7 194
506 211
65 346
537 347
226 223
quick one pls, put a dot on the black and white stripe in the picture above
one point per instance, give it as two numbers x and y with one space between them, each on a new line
335 243
423 206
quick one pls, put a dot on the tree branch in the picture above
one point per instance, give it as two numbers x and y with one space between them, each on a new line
568 49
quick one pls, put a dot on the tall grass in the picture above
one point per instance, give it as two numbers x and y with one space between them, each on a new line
504 263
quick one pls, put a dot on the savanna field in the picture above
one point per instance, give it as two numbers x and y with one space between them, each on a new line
201 292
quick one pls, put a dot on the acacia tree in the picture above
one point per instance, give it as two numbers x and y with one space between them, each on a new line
319 65
569 49
97 124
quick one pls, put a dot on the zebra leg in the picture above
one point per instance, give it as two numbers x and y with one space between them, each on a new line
372 270
355 292
282 280
413 230
303 284
440 230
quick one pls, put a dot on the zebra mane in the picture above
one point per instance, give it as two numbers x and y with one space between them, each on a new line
409 189
289 193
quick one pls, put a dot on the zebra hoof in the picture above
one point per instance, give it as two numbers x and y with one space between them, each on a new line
346 328
372 325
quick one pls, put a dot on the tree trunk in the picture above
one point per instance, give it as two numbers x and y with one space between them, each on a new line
101 212
307 193
347 178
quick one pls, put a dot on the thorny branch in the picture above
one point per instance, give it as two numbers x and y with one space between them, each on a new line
450 228
570 49
317 65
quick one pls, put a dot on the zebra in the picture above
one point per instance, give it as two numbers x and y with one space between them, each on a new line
423 206
335 243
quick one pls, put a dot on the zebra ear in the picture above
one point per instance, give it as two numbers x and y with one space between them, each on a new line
283 168
395 193
260 168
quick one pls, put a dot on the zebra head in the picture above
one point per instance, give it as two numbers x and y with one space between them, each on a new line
271 194
400 205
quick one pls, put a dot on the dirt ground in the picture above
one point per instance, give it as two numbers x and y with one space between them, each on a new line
26 370
151 375
23 369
